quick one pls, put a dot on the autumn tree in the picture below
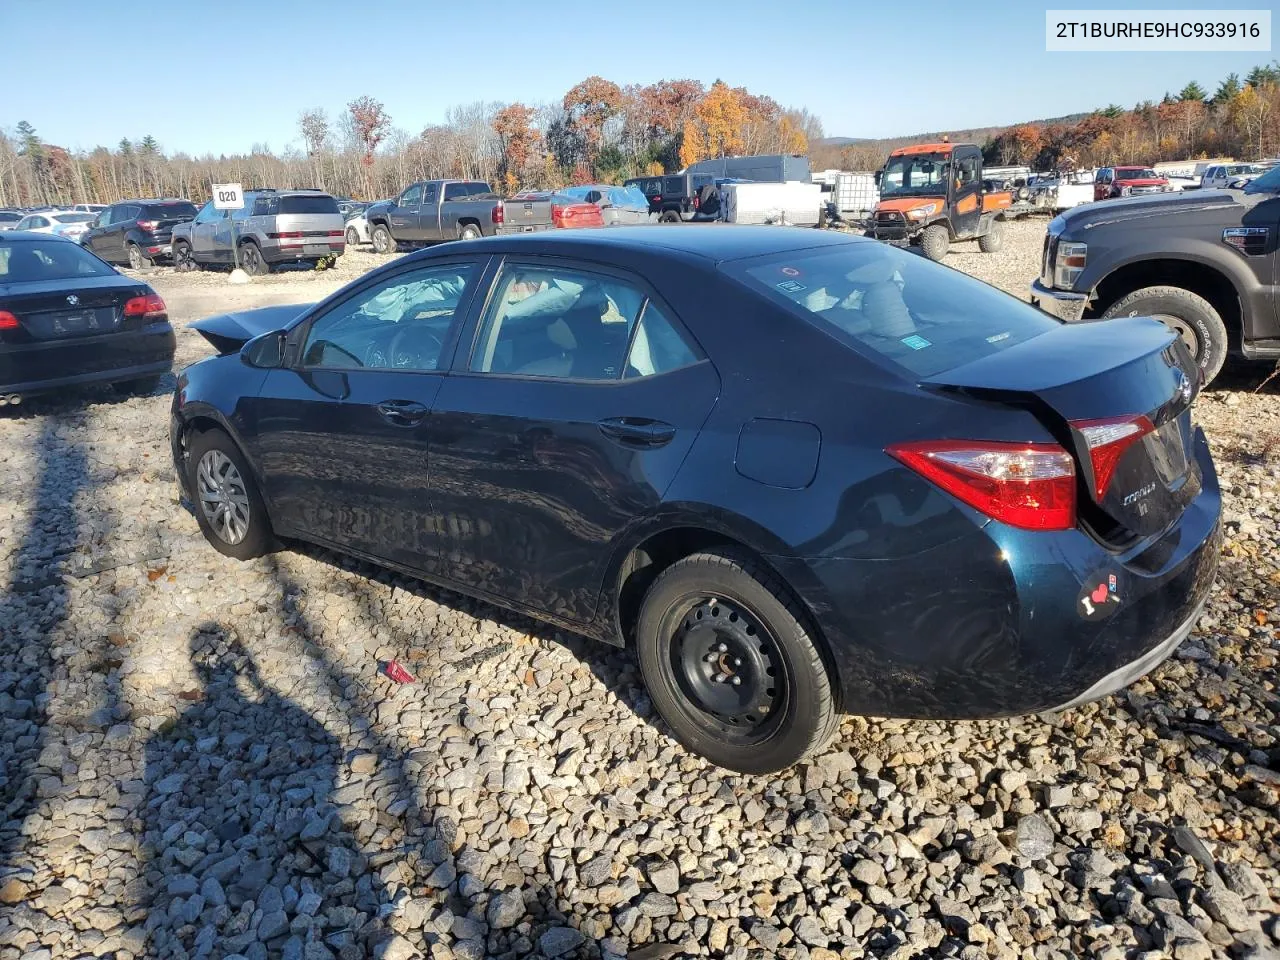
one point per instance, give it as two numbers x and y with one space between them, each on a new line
716 128
371 123
517 141
315 135
588 106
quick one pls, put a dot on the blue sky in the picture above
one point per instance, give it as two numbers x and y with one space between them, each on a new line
219 78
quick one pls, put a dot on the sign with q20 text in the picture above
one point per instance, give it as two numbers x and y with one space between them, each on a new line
228 196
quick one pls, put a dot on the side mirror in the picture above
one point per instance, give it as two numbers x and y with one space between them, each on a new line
265 352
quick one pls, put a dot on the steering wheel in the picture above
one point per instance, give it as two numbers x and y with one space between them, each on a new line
393 351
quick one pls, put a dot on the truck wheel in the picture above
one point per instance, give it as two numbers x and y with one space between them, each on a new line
993 239
383 242
1188 315
935 241
730 665
183 261
251 261
469 231
669 216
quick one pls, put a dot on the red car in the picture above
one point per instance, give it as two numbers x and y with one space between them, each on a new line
1111 182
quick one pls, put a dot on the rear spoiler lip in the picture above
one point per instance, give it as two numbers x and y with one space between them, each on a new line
1080 351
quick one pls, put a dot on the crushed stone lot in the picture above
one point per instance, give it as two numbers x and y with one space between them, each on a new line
201 759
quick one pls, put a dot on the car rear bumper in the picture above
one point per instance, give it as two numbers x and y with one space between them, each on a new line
309 251
991 623
110 358
1063 304
507 229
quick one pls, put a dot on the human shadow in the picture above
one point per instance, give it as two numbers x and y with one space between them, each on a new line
34 606
244 849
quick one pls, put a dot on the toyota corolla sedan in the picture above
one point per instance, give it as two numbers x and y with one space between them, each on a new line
801 473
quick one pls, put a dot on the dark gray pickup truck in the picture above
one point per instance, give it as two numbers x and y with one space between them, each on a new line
1204 262
433 211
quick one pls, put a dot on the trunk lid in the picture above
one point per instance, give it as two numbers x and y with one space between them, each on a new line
228 332
526 213
1117 395
61 309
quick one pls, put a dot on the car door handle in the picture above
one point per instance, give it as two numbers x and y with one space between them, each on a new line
637 431
402 413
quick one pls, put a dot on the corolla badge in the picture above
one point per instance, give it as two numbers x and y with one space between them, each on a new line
1184 387
73 300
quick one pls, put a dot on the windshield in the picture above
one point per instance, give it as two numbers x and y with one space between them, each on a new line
72 217
1269 182
923 175
55 259
1143 174
922 317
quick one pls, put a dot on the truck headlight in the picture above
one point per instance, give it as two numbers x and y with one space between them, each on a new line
1069 264
919 213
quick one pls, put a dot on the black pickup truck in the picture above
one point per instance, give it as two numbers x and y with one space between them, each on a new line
1204 262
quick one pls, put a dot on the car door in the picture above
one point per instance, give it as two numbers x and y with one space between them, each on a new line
1102 184
118 229
405 216
341 432
966 187
202 231
94 238
568 414
429 228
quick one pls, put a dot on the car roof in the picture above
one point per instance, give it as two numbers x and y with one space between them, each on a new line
714 243
30 236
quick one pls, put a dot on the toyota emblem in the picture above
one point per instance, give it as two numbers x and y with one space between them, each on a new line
73 300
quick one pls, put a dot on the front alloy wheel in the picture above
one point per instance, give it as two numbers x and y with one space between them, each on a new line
224 501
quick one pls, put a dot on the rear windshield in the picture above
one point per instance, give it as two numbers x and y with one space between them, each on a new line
72 217
921 316
300 203
171 211
48 260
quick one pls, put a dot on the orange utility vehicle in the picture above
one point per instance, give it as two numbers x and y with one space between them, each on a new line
932 194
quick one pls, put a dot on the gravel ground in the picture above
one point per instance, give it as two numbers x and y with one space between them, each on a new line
201 759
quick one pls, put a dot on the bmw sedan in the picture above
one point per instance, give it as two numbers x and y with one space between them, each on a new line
801 473
68 319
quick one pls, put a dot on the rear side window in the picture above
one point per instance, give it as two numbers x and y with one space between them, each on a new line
456 191
673 186
302 203
920 316
171 211
54 260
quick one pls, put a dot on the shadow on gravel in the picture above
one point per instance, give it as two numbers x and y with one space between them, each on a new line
75 400
34 606
243 844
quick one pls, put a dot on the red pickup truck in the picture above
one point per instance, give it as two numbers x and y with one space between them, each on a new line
1111 182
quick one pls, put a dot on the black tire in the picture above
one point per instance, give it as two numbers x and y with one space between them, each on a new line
936 241
383 241
353 238
252 261
140 387
789 708
1189 315
183 260
469 231
257 538
670 216
993 239
137 259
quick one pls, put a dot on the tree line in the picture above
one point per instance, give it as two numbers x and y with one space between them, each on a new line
599 131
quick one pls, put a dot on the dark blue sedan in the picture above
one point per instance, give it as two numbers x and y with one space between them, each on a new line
801 473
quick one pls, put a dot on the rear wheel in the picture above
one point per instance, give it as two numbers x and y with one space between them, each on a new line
469 231
228 506
670 216
1189 315
730 666
137 260
993 239
383 242
353 238
251 260
935 241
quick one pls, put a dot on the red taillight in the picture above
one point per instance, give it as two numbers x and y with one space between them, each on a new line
336 233
498 215
8 321
287 235
1107 440
697 202
149 306
557 216
1027 485
148 225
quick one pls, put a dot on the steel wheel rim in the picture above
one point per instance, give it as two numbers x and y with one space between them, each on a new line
728 667
224 500
1186 332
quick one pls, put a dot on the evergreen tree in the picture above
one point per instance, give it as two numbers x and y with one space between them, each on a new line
1228 88
1192 91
